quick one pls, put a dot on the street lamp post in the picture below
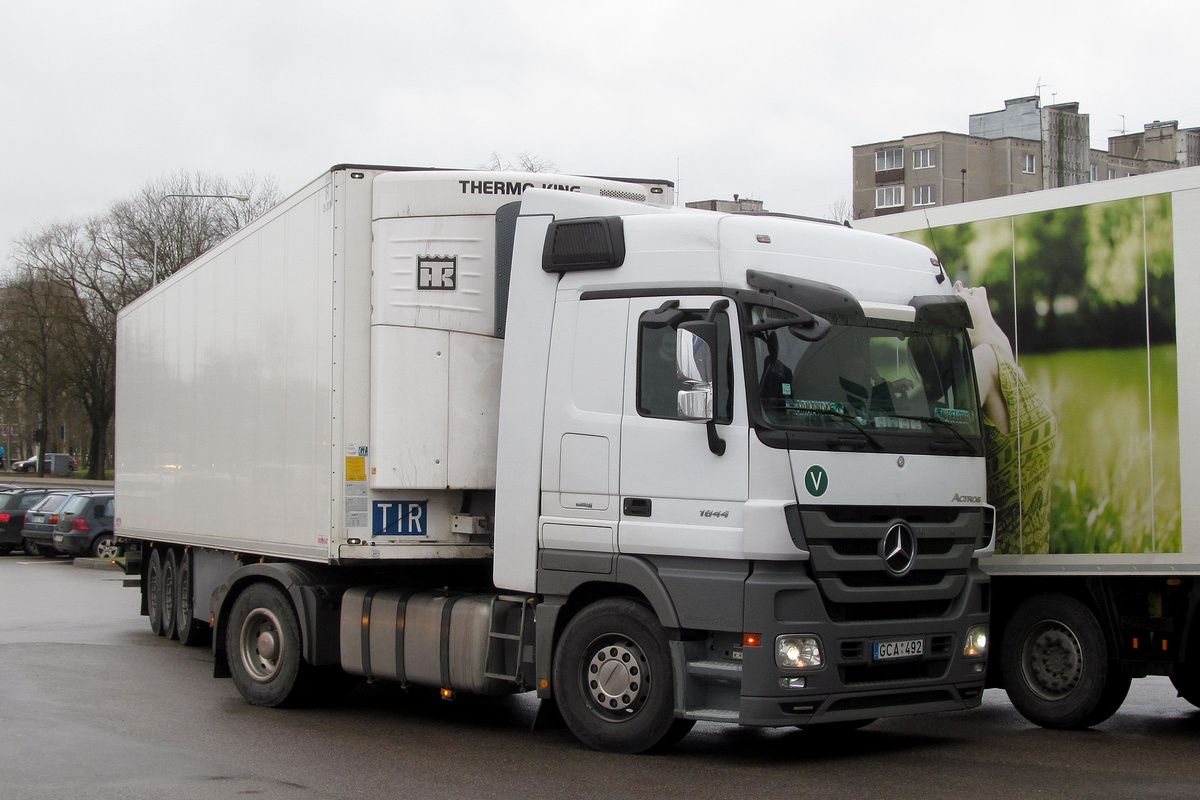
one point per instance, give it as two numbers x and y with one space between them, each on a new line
241 198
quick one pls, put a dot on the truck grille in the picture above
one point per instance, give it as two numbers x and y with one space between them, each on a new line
849 558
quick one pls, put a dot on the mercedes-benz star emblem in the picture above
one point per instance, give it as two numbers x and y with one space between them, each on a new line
899 549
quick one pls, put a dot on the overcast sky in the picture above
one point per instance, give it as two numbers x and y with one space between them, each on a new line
762 99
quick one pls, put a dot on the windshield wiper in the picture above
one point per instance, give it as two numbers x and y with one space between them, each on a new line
937 421
842 415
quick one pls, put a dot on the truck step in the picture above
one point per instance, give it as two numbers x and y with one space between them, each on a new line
712 715
715 670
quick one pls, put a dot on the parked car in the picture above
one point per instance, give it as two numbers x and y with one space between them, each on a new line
14 502
85 526
42 518
30 464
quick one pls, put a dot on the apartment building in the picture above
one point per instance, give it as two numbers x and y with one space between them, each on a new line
1021 148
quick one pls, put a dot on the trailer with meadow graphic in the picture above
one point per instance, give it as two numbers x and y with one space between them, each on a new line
1083 303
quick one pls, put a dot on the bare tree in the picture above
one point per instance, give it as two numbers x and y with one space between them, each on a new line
841 210
526 162
179 217
76 276
31 314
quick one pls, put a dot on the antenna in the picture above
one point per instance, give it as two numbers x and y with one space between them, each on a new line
1040 86
1122 131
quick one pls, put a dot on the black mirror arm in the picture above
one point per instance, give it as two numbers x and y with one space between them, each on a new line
715 443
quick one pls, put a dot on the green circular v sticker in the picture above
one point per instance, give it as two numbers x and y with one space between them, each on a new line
816 480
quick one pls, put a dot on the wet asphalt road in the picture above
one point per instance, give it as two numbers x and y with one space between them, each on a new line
93 705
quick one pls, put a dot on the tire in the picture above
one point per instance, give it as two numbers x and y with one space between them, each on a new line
613 680
47 551
105 547
1186 680
262 643
170 571
154 571
1116 689
1055 664
29 547
187 629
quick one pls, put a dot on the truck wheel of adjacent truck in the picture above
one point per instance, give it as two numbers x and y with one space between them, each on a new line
154 591
1187 686
613 682
263 647
1186 673
1056 666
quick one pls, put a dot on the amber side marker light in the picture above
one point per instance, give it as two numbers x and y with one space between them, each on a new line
751 640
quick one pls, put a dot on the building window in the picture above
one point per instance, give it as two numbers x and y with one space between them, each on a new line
923 196
924 159
1095 175
1112 173
1027 164
889 196
892 158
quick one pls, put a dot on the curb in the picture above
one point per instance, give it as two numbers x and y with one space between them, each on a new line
97 563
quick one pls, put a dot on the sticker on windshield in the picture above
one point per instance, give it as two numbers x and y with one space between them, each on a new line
959 416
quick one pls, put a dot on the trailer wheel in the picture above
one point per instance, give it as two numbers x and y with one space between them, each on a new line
188 630
613 682
1186 679
263 646
1056 668
170 572
154 591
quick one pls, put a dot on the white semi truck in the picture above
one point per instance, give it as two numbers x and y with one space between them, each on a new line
497 432
1096 574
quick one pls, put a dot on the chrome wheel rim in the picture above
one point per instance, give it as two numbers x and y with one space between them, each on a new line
616 678
261 641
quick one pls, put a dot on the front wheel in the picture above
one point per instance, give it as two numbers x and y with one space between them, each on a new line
1056 667
262 643
613 682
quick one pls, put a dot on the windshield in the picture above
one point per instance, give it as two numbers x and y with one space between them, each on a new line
867 376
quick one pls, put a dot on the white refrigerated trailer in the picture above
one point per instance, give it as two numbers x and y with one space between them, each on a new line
496 432
1096 576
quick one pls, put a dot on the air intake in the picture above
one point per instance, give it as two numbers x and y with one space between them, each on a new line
581 244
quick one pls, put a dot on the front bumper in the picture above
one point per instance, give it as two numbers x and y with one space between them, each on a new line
853 684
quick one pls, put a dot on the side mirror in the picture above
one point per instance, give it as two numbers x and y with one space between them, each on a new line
694 366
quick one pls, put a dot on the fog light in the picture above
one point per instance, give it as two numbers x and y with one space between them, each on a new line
798 652
976 645
793 683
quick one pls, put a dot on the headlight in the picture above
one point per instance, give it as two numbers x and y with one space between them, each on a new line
976 645
798 652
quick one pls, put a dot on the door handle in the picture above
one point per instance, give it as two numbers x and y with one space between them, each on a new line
637 507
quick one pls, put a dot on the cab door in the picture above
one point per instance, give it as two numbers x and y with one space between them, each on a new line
677 496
